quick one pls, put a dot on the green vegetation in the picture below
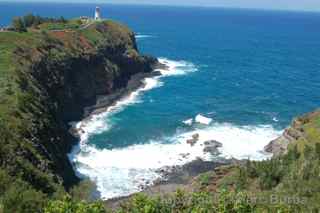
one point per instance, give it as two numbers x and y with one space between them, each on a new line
69 205
205 179
180 202
60 26
20 24
290 181
34 170
201 202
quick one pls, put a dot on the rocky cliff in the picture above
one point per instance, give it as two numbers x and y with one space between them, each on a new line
303 130
54 75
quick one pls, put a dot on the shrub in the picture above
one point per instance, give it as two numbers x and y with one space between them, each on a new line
82 191
270 173
182 202
141 203
317 150
20 24
204 179
242 178
17 196
234 202
68 205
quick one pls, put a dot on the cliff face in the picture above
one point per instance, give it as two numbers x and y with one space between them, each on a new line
65 72
304 130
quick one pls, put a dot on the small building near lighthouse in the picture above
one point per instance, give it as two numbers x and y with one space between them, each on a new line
97 14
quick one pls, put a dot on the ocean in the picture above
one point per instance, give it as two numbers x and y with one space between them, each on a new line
247 72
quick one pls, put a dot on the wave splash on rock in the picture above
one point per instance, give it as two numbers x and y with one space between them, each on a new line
122 172
113 179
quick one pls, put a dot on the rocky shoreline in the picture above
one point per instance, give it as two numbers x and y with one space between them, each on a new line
175 177
171 177
103 102
182 177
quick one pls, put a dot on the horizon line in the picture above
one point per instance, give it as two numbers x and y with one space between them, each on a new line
165 5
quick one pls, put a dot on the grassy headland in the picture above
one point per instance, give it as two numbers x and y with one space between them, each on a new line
50 70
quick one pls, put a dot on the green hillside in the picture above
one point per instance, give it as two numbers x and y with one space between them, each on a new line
50 70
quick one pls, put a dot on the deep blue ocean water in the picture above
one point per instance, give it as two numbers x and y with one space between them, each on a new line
250 71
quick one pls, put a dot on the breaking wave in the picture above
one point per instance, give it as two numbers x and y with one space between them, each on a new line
120 172
123 171
142 36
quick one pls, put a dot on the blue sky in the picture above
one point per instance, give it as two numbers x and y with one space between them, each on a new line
311 5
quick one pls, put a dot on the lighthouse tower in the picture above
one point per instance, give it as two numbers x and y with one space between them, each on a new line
97 14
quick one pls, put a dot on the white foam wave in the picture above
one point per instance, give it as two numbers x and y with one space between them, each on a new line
121 172
203 120
100 122
238 142
117 172
188 121
151 83
141 36
176 67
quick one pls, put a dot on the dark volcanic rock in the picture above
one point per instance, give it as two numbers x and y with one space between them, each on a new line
181 174
212 147
194 140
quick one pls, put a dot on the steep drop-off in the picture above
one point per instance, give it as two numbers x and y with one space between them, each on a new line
48 78
304 130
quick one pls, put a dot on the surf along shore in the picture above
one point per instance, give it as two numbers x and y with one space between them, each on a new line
170 177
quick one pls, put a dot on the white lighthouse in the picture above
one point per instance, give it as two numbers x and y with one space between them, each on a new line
97 14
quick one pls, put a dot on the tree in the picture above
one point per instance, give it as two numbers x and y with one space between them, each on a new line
62 20
18 25
28 20
18 196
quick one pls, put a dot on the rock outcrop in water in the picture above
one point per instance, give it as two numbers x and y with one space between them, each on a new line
212 147
55 77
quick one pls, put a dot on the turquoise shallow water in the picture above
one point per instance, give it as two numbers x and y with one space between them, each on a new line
249 71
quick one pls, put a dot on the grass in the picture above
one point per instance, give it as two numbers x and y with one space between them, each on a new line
310 131
73 24
9 42
116 33
205 179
